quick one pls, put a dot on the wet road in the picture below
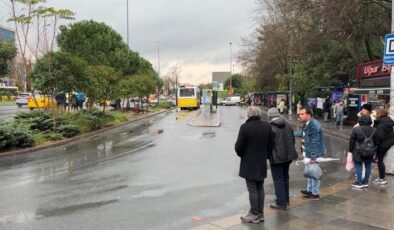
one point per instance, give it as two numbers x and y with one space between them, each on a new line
9 111
159 173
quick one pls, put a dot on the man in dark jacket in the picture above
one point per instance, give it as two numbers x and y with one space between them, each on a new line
254 147
283 154
384 139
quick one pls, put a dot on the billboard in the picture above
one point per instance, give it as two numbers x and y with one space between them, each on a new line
6 35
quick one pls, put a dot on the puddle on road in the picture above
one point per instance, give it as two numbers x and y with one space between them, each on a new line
208 135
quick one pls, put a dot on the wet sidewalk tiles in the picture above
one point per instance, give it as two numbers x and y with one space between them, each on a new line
340 207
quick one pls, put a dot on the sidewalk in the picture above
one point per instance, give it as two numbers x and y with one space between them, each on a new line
340 206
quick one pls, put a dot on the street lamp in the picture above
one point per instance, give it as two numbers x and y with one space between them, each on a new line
128 45
231 64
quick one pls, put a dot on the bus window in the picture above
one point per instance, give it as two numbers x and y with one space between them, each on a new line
189 92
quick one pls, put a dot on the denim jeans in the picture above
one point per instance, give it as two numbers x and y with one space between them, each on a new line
256 196
339 119
280 176
359 172
313 186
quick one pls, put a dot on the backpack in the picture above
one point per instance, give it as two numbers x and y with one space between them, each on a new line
367 148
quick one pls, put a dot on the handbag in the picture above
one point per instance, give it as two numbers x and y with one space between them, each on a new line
349 161
313 171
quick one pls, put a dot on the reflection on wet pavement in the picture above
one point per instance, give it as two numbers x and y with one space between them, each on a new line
42 213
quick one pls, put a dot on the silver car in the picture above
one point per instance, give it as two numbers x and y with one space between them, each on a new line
22 99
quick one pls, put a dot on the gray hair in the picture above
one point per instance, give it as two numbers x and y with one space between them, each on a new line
253 111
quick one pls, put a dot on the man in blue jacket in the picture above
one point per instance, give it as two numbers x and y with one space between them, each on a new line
312 146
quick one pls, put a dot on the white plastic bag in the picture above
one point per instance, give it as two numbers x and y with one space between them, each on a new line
313 171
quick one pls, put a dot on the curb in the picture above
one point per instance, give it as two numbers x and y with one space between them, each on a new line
78 137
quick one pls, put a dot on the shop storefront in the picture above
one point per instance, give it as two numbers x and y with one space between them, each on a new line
374 82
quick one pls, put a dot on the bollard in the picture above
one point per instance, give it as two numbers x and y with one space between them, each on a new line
389 161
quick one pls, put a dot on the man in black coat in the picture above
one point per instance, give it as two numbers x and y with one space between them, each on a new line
283 154
254 146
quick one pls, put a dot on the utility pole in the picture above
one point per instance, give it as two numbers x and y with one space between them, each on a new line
158 57
392 72
389 160
231 63
290 89
128 40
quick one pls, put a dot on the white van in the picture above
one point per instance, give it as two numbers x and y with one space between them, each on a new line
234 100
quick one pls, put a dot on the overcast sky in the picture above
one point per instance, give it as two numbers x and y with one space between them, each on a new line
193 34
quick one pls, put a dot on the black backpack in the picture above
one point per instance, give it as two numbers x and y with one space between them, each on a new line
367 148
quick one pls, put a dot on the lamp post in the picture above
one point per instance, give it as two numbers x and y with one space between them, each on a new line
231 64
158 57
128 45
290 89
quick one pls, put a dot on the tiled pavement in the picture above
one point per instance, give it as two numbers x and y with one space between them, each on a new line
340 206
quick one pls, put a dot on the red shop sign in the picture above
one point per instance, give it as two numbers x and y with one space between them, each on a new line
373 69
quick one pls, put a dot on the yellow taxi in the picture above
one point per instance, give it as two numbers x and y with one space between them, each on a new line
40 102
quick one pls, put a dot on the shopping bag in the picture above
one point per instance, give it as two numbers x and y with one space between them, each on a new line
349 162
313 171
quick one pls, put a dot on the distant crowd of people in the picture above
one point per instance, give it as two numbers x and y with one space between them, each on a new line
76 100
274 140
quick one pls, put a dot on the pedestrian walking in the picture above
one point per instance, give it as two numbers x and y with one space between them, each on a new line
283 153
359 134
339 113
384 139
312 146
254 146
326 108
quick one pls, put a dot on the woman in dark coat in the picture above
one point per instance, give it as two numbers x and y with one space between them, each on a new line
384 139
254 147
356 138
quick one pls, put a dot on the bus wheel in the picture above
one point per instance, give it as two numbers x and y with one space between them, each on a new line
31 109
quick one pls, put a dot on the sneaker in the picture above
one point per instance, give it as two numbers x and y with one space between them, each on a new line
252 218
305 192
376 181
311 197
357 185
364 185
382 181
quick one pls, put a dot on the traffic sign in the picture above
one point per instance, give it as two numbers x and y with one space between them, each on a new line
388 58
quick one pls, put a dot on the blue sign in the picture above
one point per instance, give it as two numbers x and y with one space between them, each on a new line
388 58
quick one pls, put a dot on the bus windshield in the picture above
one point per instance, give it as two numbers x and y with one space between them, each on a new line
186 92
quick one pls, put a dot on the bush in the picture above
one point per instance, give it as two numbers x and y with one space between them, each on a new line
68 130
11 137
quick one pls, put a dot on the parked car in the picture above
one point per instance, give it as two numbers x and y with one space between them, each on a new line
234 100
22 99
